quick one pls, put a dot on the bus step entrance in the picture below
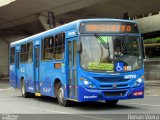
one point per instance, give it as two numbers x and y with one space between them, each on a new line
38 94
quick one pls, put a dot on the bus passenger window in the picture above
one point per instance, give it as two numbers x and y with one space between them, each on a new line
12 55
26 53
48 44
23 53
59 46
29 52
53 47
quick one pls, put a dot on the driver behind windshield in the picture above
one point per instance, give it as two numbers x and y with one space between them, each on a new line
118 51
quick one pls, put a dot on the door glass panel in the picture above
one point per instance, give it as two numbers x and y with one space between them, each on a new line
17 65
70 53
36 65
70 83
37 58
12 56
75 83
75 53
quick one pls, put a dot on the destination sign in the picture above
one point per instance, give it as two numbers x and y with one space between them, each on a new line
108 27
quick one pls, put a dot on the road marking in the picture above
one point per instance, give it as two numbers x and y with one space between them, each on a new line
5 89
56 111
5 84
4 100
144 104
98 118
52 111
60 112
152 95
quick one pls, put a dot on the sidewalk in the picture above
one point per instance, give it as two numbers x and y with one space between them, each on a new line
4 79
152 90
152 83
152 87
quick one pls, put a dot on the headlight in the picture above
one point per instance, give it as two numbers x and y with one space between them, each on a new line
138 82
88 84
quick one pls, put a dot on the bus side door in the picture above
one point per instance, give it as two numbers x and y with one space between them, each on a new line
17 67
12 72
72 67
14 66
36 67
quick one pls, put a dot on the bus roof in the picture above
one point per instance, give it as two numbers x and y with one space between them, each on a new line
71 25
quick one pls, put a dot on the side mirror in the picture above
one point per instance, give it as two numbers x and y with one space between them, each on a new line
143 48
79 47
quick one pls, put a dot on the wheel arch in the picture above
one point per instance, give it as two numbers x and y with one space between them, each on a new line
21 78
57 81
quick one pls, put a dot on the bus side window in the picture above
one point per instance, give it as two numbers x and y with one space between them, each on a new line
23 53
59 46
12 55
29 52
47 48
26 53
53 47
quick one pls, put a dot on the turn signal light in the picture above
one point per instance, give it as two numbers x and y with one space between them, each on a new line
138 93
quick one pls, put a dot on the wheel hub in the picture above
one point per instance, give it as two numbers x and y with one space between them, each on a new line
61 95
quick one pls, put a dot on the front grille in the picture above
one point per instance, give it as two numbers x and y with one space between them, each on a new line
111 79
115 94
112 87
106 86
122 85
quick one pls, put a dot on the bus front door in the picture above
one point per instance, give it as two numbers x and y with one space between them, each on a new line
72 68
36 68
17 79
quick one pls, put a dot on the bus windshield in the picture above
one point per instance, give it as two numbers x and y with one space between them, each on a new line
111 53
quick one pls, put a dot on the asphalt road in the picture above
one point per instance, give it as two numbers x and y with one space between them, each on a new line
46 108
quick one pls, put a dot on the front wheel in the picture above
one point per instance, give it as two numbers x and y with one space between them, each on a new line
60 96
111 102
23 90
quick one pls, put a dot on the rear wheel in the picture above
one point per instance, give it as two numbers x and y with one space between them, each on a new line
111 102
23 90
60 96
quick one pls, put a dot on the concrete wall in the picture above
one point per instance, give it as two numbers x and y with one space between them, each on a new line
152 69
3 57
149 24
146 25
5 39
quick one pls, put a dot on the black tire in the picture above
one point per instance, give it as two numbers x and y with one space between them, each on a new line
60 96
111 102
23 90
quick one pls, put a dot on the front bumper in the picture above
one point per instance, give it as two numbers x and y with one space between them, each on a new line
114 94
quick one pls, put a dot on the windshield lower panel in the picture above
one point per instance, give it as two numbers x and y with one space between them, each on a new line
111 53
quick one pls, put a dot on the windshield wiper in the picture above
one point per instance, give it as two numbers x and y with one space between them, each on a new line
105 45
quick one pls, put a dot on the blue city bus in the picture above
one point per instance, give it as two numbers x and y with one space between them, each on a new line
85 60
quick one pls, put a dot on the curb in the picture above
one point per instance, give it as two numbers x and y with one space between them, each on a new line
4 79
152 83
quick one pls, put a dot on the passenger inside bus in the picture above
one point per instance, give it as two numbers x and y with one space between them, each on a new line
118 52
